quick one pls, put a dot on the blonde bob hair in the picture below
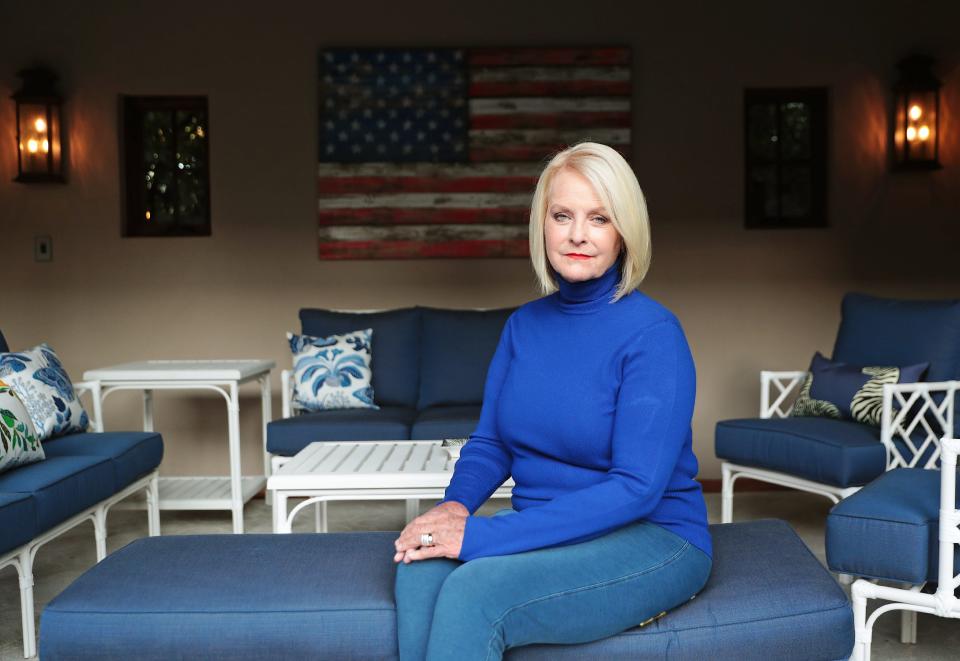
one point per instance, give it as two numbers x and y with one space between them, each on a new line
616 185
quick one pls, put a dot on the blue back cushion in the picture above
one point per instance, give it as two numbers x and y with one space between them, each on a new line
456 349
886 331
395 347
3 343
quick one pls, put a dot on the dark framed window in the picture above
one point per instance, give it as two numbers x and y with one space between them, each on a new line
166 165
785 179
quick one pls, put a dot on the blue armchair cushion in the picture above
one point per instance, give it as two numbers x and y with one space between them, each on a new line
838 452
40 379
19 444
61 486
456 349
330 596
288 436
395 346
445 422
18 520
133 453
888 529
334 372
884 331
838 390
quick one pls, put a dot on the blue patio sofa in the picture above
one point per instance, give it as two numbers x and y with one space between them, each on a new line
330 596
83 475
429 369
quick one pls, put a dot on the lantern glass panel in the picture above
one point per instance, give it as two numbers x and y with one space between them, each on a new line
35 132
920 125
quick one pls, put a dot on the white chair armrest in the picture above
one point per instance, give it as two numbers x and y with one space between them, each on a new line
784 383
898 422
93 388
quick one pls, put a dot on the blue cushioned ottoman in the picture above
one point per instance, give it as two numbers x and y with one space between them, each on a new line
330 596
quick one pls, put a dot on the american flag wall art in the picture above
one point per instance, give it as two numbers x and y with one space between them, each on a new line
436 152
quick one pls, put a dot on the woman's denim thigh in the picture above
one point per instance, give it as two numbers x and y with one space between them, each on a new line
566 594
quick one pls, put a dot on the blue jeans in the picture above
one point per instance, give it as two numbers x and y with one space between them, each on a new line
448 610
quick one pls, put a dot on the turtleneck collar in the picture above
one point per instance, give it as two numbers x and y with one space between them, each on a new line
588 295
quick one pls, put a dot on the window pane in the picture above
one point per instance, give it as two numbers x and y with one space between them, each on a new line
795 130
158 160
191 167
797 190
762 130
762 192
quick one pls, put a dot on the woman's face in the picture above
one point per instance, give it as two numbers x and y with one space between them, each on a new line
580 238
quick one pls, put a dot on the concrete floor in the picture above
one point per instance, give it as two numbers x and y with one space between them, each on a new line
62 560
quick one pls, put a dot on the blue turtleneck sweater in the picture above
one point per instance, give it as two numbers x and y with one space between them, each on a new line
587 405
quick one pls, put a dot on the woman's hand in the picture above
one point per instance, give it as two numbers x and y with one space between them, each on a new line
445 522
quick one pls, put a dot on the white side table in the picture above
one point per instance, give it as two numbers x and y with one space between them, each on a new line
221 376
365 470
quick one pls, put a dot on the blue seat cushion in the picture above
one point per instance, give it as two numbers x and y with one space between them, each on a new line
889 529
455 350
288 436
445 422
395 348
838 452
61 486
18 520
133 453
330 596
327 596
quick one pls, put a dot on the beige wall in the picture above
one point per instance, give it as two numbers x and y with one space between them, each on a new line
748 300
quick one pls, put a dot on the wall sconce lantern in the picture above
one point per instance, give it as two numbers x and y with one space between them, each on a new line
916 116
39 136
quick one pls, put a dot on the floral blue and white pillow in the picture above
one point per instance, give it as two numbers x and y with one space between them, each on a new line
19 444
38 377
332 372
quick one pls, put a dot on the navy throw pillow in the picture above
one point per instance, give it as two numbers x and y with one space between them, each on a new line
849 392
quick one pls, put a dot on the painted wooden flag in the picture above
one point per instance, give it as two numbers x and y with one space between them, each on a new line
436 152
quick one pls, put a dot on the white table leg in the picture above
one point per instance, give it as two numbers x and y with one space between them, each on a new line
320 516
153 507
147 410
236 474
413 509
280 512
266 410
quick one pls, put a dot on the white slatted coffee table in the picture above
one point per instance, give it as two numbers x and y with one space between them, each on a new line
365 470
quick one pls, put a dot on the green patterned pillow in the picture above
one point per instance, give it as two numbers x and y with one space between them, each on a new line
19 444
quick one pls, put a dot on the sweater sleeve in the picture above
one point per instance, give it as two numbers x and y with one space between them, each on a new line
485 460
652 421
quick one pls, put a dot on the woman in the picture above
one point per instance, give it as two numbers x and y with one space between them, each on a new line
587 404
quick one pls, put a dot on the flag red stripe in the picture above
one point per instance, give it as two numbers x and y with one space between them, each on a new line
419 249
350 185
555 120
485 57
573 88
528 152
427 216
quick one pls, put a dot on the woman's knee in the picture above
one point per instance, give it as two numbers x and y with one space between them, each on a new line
469 591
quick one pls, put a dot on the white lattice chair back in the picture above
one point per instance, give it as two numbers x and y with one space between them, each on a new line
912 407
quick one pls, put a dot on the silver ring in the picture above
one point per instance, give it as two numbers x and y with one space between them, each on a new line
426 539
